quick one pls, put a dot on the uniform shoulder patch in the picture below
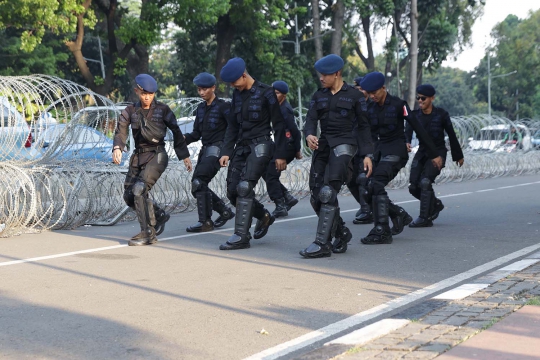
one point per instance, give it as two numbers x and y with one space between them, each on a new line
405 112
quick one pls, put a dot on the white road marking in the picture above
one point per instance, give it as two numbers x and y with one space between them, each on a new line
485 190
370 332
56 256
353 321
461 292
519 265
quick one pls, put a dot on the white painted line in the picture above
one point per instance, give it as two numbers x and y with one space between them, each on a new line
493 277
452 195
370 332
485 190
357 319
461 292
520 265
513 186
536 255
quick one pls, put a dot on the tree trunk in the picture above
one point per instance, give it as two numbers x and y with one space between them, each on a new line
317 29
370 60
413 50
225 32
337 35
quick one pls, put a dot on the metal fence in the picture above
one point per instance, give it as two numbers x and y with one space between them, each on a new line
56 170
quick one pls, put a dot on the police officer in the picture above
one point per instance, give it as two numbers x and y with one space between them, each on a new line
337 106
359 181
435 121
278 193
209 126
387 115
254 109
149 120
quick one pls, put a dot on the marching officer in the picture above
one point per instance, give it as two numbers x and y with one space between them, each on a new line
149 120
209 126
436 121
387 115
337 106
254 111
278 193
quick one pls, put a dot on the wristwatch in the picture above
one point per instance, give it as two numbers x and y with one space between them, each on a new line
116 148
370 156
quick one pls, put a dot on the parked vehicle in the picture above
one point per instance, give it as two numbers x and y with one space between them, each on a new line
490 138
535 139
15 134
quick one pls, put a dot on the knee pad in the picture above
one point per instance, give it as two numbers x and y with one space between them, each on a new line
327 194
362 180
129 198
243 188
139 189
196 185
425 184
413 189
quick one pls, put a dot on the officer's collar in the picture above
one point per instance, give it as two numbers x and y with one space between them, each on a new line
344 87
256 84
152 105
387 99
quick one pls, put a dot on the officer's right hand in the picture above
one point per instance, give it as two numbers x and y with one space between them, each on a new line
224 160
117 156
312 142
437 162
409 148
187 164
298 155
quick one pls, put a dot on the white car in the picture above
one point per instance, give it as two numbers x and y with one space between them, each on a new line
490 138
15 134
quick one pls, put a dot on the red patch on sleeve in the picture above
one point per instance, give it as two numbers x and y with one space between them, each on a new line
405 112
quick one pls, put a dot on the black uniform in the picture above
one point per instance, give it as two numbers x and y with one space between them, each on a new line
253 114
423 172
338 114
277 192
149 159
388 123
209 126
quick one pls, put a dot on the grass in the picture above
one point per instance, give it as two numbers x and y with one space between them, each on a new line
354 350
414 320
490 324
534 301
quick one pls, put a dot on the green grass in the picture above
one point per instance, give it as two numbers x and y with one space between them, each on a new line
534 301
414 320
354 350
490 324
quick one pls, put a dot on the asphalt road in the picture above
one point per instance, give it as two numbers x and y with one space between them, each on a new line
185 299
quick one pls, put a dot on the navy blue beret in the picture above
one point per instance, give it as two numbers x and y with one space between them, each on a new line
329 64
233 69
426 90
357 80
372 81
281 86
146 82
205 80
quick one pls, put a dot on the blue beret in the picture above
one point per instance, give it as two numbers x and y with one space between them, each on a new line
233 69
281 86
205 80
372 81
329 64
357 80
426 90
146 82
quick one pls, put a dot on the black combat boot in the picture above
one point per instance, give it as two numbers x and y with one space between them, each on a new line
400 218
145 213
381 233
289 200
161 218
281 208
204 208
225 213
241 237
426 209
439 206
262 225
364 215
342 236
322 247
146 237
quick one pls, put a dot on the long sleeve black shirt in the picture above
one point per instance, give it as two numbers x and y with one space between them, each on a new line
210 122
254 112
388 123
338 115
161 116
436 123
291 129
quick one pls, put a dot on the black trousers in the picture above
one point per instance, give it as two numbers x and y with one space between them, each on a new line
357 165
248 165
422 168
385 169
146 168
275 188
328 169
206 169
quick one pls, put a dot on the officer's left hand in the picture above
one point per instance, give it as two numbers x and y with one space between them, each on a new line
460 162
437 162
281 164
187 163
368 166
298 155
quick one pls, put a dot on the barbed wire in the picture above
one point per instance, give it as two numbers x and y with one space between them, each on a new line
62 177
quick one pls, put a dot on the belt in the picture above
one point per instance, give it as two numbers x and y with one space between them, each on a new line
256 140
148 149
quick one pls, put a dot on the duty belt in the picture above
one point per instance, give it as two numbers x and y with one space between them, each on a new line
256 140
148 149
